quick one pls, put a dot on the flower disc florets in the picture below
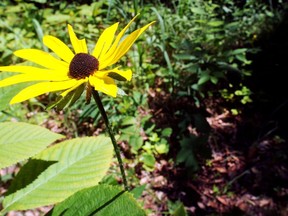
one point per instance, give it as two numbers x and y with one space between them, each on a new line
83 65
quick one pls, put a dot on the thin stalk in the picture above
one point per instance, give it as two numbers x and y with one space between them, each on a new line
112 137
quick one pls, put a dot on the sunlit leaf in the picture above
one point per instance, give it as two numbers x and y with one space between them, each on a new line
148 159
19 141
196 10
215 23
101 200
135 142
162 147
57 18
137 191
82 163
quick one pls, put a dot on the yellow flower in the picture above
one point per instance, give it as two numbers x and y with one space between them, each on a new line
73 68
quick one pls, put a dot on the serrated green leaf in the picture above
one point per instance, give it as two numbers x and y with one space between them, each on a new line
101 200
28 173
82 163
19 141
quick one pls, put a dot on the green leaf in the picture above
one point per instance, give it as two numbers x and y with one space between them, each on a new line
128 120
19 141
162 147
198 11
185 57
40 1
214 79
28 173
121 92
238 51
137 191
242 58
203 79
177 209
130 130
186 153
136 143
166 132
101 200
215 23
180 211
82 163
39 32
109 180
148 159
57 18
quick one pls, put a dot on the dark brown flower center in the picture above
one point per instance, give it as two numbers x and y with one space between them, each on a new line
83 65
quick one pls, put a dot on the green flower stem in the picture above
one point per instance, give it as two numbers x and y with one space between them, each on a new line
111 134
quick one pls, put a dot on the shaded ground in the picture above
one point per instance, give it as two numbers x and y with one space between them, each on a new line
247 173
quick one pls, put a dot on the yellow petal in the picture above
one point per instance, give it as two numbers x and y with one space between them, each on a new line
23 69
63 94
42 88
127 74
31 77
78 45
41 58
112 49
35 70
106 85
105 40
58 47
127 43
